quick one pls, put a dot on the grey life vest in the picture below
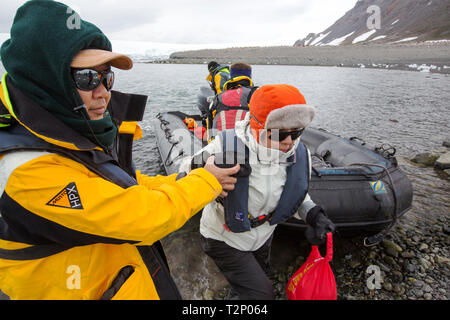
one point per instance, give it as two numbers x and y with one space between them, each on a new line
294 191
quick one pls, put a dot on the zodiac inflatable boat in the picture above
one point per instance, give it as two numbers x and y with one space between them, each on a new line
362 188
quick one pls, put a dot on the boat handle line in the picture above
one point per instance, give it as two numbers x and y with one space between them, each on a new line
375 239
316 172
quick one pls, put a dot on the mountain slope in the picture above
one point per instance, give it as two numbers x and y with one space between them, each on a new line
400 21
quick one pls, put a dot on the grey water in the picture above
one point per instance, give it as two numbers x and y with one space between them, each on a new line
408 110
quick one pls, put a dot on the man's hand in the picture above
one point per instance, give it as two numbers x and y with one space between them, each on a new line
222 175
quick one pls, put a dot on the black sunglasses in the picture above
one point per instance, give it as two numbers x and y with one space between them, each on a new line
89 79
278 135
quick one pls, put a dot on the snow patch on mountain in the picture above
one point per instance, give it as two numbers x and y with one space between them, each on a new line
378 38
338 41
364 36
318 39
405 40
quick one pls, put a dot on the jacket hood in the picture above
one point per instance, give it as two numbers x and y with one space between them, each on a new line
45 37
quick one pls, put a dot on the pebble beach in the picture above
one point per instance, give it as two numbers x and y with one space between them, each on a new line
433 56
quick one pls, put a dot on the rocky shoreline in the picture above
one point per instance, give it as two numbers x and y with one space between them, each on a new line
413 263
433 56
438 159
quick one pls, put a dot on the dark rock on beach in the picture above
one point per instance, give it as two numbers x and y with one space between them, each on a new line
443 162
426 159
446 143
439 159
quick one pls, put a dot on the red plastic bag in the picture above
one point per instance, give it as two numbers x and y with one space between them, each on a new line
315 279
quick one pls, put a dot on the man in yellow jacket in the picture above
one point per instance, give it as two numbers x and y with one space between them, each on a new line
77 221
218 76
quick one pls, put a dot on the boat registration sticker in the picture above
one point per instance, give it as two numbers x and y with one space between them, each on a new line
378 187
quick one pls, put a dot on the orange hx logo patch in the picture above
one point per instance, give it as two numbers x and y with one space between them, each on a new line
67 198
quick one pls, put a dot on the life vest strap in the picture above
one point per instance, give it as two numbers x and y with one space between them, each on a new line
256 222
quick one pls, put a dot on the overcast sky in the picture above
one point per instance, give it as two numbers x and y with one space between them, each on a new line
239 22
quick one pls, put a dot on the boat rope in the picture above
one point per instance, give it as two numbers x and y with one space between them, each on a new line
163 125
356 139
386 150
377 238
168 155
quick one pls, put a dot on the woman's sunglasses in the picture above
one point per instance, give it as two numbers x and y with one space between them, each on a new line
89 79
277 135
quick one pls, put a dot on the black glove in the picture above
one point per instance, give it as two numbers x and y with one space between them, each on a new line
318 226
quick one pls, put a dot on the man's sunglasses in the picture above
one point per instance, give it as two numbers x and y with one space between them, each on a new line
277 135
89 79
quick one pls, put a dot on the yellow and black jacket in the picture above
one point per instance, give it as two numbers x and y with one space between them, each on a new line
218 78
77 223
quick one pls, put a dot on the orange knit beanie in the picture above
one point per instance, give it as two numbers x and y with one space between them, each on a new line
279 106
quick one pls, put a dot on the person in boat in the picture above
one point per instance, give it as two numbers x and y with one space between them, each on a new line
232 104
237 232
78 222
218 75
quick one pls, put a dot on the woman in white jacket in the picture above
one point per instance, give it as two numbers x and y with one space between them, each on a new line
237 239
